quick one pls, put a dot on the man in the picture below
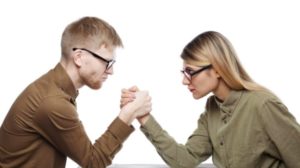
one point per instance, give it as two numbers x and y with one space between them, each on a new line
42 127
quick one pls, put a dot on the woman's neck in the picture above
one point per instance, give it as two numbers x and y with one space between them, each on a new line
222 91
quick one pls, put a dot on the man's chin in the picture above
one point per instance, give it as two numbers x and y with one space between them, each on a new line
96 86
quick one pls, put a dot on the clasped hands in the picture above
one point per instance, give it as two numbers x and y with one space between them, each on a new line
135 104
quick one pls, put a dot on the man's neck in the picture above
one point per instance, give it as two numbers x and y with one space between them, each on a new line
73 73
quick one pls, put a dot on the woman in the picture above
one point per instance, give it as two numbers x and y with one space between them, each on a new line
244 125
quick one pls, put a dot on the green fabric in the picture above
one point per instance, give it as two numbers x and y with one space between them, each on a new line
250 129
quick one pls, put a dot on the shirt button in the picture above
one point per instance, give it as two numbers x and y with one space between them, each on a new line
221 143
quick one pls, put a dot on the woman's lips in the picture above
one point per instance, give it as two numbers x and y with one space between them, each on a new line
191 90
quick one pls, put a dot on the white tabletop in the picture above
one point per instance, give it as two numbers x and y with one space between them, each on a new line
152 166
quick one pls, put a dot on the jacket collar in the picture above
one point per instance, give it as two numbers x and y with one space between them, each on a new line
63 81
230 103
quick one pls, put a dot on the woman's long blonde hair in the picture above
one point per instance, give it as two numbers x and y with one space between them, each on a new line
213 48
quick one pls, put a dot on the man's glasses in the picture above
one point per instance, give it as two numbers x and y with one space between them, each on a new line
189 73
109 62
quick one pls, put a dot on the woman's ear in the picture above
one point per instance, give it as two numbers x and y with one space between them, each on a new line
215 73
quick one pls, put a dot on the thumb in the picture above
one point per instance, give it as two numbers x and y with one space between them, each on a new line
134 88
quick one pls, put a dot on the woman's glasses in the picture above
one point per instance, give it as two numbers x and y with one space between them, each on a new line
189 73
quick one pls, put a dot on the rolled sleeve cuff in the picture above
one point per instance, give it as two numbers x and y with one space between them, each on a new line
151 127
120 129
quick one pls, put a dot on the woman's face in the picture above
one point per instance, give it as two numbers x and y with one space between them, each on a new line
201 83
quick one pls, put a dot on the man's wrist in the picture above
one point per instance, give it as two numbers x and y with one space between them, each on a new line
127 117
120 129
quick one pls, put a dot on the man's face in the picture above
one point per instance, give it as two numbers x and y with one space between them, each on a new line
95 66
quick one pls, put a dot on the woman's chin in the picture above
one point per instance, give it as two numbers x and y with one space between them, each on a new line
197 96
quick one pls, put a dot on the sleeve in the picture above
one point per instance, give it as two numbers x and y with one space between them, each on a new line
57 121
283 130
197 149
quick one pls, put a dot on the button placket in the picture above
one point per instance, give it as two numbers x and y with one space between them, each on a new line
221 143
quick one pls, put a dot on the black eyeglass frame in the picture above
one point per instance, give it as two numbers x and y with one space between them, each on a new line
109 62
189 75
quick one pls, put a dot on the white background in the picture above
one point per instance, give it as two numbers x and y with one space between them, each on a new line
265 35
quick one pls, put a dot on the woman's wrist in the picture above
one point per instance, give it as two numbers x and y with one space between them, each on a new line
143 119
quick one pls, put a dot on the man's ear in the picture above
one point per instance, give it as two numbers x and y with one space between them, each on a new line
77 58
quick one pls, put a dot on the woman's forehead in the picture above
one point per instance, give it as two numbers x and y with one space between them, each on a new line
194 64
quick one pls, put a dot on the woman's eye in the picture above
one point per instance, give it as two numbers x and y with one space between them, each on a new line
189 71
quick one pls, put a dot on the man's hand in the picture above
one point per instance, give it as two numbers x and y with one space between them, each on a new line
134 104
128 95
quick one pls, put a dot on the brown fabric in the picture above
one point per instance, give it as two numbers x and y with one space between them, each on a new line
42 128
